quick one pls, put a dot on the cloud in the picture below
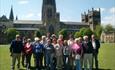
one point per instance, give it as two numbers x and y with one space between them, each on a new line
29 15
112 10
108 20
103 9
23 1
110 17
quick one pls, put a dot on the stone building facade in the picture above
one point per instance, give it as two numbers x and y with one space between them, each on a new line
50 21
108 37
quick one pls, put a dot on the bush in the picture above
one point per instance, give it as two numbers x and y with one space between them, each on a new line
11 33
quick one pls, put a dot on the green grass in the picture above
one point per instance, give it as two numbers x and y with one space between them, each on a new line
106 57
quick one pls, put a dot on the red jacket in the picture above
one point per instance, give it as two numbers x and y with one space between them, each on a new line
28 48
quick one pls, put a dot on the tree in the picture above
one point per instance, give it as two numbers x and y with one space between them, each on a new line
11 33
38 33
98 31
88 32
108 28
77 34
82 31
63 32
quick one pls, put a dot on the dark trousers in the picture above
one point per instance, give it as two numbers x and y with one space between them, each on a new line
23 59
38 61
95 59
66 65
28 61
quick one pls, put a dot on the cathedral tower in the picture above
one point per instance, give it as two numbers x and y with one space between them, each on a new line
49 15
93 18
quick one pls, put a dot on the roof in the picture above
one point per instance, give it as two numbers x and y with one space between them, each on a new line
27 22
75 23
26 28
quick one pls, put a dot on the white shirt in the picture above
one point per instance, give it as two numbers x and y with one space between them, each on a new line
94 44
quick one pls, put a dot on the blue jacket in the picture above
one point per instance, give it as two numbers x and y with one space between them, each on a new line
37 48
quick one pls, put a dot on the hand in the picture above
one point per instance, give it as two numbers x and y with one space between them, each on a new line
11 54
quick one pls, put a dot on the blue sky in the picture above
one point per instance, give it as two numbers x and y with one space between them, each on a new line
70 10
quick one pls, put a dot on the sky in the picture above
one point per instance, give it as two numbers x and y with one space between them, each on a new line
70 10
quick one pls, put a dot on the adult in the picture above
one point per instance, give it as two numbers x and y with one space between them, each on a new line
24 41
38 53
88 53
49 54
78 51
44 42
15 50
28 52
66 54
59 54
96 46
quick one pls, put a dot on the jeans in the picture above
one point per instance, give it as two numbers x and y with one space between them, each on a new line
65 60
49 62
38 61
78 64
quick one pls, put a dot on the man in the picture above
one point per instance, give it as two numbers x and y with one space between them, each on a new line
88 53
96 46
49 54
38 53
15 50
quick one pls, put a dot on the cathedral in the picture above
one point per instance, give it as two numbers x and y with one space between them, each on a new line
50 21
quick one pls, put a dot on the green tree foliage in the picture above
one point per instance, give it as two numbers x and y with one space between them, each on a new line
38 33
77 34
88 32
11 33
63 32
98 31
108 28
82 31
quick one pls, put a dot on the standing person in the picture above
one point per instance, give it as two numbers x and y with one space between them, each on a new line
78 51
59 54
44 42
71 58
49 53
96 46
81 44
28 52
38 53
23 52
88 53
61 39
66 53
15 50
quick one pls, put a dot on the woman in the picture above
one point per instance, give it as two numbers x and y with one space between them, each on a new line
59 54
66 53
77 50
28 53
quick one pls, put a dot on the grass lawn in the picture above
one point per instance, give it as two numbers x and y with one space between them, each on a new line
106 57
